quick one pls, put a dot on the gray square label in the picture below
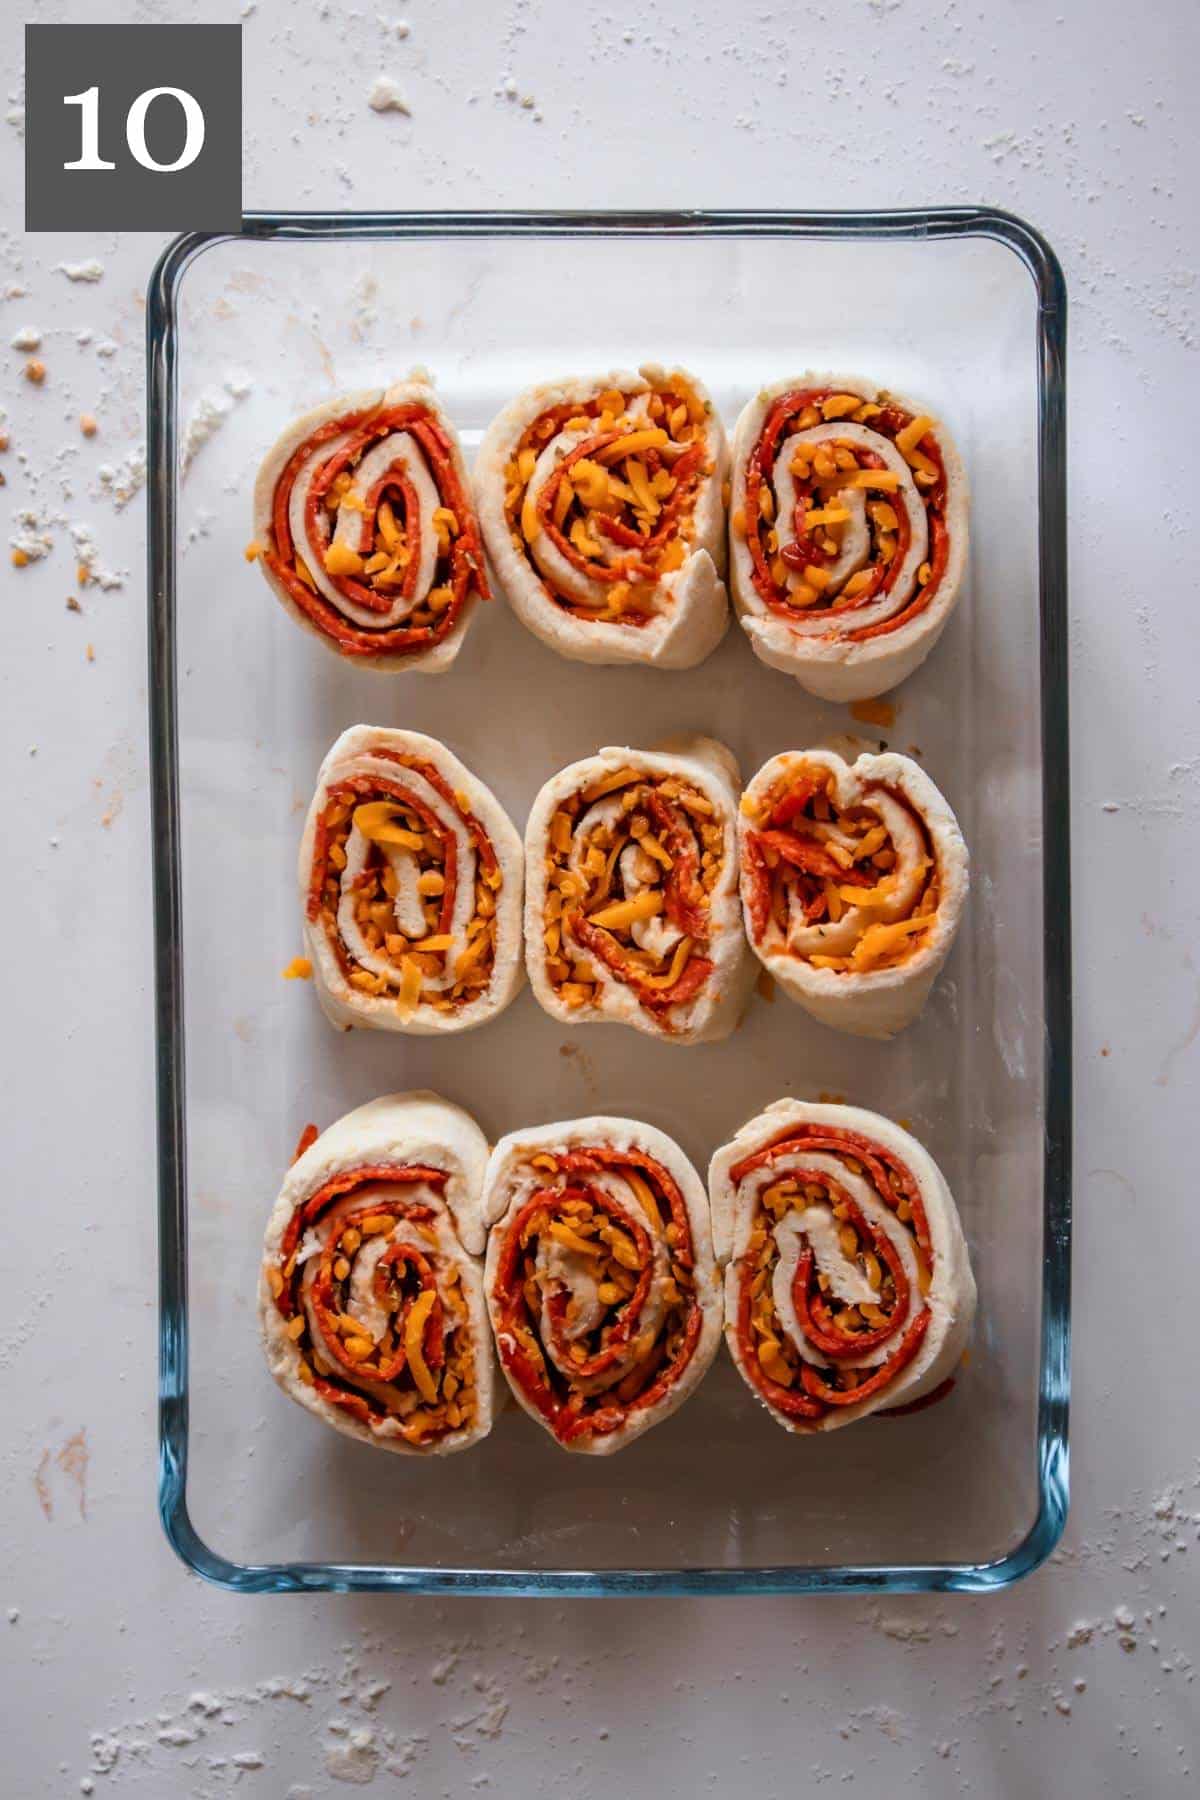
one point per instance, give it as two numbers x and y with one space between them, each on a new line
133 127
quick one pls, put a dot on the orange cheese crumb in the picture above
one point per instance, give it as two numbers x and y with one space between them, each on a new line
873 712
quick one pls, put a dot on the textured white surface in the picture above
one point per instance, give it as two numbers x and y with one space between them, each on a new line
123 1673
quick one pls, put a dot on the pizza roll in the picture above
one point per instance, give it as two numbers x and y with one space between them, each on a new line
848 532
603 1293
854 877
631 908
848 1288
371 1290
410 879
603 512
365 528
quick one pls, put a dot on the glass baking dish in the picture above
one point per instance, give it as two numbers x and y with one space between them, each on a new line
963 308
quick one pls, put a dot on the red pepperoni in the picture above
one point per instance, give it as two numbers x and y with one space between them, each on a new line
607 950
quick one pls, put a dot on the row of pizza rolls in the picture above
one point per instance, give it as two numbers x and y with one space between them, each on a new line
612 510
827 1250
646 879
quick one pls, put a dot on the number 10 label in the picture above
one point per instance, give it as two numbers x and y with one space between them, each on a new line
133 127
135 130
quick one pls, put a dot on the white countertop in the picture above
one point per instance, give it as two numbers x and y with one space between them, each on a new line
125 1673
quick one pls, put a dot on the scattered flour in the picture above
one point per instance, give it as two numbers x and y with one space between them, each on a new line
124 480
175 1737
106 1752
212 410
356 1758
207 1704
350 1747
904 1631
87 556
33 537
386 97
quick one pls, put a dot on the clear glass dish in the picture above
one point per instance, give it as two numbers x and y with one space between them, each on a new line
964 309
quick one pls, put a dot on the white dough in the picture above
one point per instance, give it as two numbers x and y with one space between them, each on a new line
951 1298
356 753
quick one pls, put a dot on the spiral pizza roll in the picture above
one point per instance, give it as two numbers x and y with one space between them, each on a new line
365 529
848 533
631 908
603 510
854 877
410 878
601 1285
371 1292
847 1282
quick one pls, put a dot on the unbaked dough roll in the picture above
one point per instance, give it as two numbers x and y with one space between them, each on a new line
603 513
371 1291
854 877
601 1284
847 1282
410 878
631 907
848 532
365 529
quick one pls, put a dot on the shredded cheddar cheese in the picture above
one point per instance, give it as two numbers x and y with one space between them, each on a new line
908 439
628 912
340 559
